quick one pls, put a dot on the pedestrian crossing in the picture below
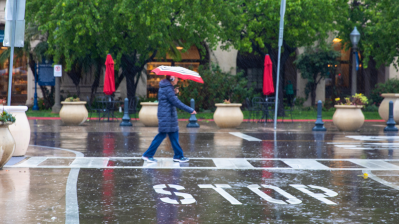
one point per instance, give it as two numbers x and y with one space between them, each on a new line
207 163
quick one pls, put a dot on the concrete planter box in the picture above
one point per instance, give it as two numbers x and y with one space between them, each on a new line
348 117
20 130
383 110
148 114
7 144
228 115
73 113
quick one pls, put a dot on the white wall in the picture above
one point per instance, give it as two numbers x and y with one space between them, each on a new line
227 60
392 72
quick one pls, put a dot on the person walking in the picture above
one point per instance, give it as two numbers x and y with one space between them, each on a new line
167 120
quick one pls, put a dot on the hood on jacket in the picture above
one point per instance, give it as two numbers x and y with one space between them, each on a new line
164 83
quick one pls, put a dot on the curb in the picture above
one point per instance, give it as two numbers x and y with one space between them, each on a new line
245 120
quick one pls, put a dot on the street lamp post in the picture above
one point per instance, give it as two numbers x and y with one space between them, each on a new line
355 37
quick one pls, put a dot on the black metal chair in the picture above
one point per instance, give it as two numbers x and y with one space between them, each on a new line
133 109
257 104
288 112
269 108
91 108
250 108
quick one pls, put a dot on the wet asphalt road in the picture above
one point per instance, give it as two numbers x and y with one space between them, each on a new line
93 174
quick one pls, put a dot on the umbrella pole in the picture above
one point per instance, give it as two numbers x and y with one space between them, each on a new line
280 43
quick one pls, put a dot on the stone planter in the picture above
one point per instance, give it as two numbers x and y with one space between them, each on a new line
7 144
348 117
20 130
228 115
73 113
148 114
383 110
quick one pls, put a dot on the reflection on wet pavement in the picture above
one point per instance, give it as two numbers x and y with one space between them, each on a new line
94 174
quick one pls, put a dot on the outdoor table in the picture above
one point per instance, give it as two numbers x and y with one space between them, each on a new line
265 109
108 107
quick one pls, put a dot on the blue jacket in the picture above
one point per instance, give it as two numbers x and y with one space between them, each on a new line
167 103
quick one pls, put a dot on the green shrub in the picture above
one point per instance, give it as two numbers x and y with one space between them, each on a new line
299 101
371 108
390 86
218 86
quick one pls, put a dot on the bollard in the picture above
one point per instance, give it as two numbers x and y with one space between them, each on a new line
193 119
319 124
391 122
126 117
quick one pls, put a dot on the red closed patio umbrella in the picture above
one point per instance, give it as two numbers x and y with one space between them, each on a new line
268 87
109 79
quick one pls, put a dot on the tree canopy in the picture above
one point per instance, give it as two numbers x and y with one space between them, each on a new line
134 32
377 22
315 65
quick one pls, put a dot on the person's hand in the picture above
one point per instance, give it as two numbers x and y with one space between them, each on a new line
177 90
194 112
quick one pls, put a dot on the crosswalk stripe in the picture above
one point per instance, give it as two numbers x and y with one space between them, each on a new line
305 164
246 137
31 162
241 163
224 163
90 162
220 163
371 164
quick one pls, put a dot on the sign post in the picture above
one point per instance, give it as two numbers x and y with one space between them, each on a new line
57 74
14 33
280 43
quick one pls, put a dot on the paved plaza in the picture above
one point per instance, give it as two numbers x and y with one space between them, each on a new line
94 174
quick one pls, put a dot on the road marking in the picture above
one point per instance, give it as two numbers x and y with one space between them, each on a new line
306 164
188 198
71 197
318 196
222 192
379 180
71 193
31 162
224 163
91 162
220 163
292 199
246 137
371 164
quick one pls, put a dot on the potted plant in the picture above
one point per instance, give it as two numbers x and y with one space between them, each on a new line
7 143
73 111
148 114
228 115
383 109
20 130
348 115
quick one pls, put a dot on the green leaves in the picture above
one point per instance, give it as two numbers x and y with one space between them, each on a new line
218 86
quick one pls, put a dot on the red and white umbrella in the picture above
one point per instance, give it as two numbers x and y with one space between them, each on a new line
179 72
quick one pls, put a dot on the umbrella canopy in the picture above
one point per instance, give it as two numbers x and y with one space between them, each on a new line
268 87
179 72
109 79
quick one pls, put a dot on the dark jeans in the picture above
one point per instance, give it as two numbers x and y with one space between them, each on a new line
174 139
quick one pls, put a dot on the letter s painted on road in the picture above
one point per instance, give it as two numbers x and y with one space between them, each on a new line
188 198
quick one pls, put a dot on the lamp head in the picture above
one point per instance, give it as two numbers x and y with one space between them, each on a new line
355 37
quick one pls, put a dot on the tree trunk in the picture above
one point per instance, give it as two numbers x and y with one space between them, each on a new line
313 94
96 81
75 75
132 72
